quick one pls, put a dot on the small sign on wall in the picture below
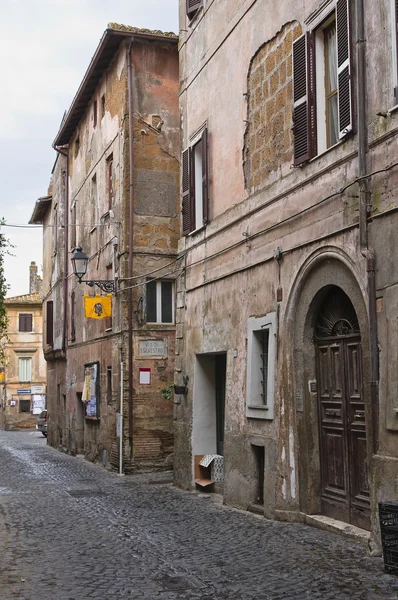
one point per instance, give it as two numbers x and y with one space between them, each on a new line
145 376
153 347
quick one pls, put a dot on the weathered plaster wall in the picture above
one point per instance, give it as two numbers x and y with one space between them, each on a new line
154 244
22 344
231 271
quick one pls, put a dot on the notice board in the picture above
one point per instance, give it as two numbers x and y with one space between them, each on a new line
91 390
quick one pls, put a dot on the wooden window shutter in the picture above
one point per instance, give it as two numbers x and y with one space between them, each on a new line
205 175
301 101
344 67
193 6
73 316
186 192
50 323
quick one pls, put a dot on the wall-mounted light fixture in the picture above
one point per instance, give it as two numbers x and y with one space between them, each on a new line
79 265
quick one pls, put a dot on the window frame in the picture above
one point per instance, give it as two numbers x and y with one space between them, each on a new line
55 229
110 182
73 227
25 358
158 284
25 400
23 330
254 408
95 113
50 322
309 100
95 203
192 7
189 181
73 316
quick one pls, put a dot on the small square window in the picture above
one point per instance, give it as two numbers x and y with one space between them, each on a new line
25 322
24 406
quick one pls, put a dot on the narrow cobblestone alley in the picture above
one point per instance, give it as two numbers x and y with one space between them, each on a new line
70 530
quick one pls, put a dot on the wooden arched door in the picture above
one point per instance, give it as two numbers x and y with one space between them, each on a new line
341 410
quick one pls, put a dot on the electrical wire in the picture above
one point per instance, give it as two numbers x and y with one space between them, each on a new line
154 270
151 280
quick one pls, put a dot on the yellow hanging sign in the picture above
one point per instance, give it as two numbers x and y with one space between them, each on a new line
98 307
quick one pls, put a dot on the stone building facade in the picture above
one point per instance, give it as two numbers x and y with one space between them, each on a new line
23 376
115 196
286 314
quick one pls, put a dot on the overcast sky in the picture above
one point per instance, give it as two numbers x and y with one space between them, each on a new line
46 46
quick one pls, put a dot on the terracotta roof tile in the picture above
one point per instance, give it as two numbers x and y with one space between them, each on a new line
121 27
24 299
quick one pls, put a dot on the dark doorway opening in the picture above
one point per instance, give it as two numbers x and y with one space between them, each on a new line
259 457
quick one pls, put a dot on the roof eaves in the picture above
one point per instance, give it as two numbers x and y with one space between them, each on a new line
40 209
97 67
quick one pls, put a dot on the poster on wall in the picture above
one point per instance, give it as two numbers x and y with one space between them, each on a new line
38 403
90 396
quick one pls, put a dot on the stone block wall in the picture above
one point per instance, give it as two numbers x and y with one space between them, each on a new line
268 138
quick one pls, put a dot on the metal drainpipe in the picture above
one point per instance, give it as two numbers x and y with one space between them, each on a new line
364 192
131 238
60 150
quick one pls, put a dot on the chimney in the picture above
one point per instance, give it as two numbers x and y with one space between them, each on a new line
33 278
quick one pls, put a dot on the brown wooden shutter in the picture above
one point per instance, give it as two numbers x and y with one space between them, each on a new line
25 322
50 323
193 6
73 317
205 175
312 94
186 192
344 67
301 104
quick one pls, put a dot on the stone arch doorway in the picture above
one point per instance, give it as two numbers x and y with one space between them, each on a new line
326 269
341 411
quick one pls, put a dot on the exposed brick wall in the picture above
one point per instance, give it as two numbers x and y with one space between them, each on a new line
268 136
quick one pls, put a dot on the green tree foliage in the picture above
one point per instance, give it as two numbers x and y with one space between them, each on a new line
4 248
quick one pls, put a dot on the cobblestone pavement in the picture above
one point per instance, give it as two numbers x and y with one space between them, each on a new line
70 530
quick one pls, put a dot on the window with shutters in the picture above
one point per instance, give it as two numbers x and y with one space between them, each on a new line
261 353
55 230
25 322
109 181
160 301
195 196
50 322
193 7
73 316
25 369
322 86
73 237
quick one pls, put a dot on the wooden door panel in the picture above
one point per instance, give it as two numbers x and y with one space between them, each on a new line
336 371
323 371
344 475
333 463
359 476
